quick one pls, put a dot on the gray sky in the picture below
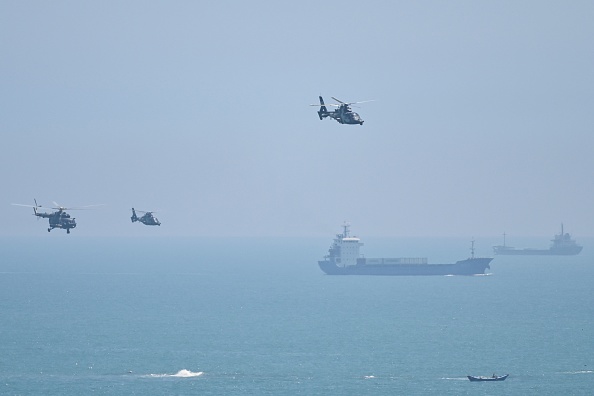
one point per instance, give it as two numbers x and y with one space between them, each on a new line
482 121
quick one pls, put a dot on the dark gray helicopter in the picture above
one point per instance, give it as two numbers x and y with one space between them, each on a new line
344 114
146 219
59 218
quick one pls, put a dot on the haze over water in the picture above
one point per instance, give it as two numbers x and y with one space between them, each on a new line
257 316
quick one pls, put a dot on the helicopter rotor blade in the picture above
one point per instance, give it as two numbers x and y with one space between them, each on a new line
58 206
364 101
35 207
31 206
86 207
327 104
28 206
350 103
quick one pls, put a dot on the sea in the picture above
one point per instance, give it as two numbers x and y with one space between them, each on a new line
256 316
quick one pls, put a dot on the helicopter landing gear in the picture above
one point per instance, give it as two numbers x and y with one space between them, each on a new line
49 229
67 230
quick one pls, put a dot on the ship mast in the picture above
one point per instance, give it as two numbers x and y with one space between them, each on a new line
346 226
472 248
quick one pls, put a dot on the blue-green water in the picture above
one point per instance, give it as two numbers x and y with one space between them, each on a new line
257 316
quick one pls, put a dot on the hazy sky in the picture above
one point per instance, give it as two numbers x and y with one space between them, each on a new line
482 121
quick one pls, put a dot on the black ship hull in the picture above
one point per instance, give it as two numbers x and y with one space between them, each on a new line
471 266
501 378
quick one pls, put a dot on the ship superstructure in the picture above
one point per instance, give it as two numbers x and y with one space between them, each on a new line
344 258
344 250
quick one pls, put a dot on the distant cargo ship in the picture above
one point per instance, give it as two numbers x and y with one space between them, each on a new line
562 245
343 258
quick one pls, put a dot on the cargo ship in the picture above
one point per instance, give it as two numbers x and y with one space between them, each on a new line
562 245
343 258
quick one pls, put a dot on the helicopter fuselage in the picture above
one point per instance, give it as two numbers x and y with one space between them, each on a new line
59 219
343 114
146 219
149 219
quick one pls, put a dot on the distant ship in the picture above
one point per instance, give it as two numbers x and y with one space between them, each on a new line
562 245
343 258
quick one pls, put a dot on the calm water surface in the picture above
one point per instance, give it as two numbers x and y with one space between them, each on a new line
257 316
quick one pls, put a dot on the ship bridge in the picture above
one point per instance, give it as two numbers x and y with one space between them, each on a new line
349 251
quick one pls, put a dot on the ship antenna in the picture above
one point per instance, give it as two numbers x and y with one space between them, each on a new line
504 239
472 248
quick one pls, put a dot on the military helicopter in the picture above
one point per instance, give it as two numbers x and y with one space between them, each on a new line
146 219
343 114
59 218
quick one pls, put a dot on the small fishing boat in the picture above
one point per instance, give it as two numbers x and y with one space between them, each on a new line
492 378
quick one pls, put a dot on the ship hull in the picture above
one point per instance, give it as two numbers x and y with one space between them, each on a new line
501 378
472 266
539 252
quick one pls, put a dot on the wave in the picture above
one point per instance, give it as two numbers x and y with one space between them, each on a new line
180 374
579 372
369 376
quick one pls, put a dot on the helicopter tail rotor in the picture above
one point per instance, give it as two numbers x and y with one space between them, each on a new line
323 110
35 208
134 218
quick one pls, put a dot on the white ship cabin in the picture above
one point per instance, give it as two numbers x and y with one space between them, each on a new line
349 251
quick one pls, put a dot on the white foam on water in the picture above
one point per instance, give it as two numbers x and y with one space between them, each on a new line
180 374
187 374
579 372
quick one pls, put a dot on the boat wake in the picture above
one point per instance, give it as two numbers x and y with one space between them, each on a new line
180 374
579 372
